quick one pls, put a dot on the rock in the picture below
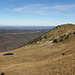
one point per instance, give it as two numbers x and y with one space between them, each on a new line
63 53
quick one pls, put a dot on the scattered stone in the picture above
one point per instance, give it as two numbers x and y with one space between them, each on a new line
63 53
38 42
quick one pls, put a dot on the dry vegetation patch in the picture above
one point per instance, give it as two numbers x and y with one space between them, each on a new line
36 59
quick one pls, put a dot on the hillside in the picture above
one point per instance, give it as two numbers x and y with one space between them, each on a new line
55 33
44 56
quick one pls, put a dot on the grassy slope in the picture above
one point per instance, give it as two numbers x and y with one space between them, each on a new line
56 32
41 59
59 31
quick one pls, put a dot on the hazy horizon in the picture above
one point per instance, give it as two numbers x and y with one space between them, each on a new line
26 27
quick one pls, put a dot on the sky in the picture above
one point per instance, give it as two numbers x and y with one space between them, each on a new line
36 12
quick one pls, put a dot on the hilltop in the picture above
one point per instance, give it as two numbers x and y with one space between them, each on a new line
60 31
53 53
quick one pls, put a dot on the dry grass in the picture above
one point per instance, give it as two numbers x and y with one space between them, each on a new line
59 31
41 60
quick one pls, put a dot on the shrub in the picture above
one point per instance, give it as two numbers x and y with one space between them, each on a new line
45 36
61 38
56 40
35 40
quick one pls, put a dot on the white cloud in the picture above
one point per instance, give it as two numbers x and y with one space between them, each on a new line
44 8
29 7
34 8
60 7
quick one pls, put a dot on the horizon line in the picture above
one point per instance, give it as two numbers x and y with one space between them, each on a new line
25 26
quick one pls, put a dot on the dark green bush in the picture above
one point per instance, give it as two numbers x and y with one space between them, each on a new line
60 38
35 40
55 41
45 36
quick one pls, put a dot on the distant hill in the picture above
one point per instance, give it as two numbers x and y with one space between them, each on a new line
53 53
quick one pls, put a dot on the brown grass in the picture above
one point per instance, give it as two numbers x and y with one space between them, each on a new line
41 60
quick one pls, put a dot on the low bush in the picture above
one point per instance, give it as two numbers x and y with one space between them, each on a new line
35 40
45 37
56 40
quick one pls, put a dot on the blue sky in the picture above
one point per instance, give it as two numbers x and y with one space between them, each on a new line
36 12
